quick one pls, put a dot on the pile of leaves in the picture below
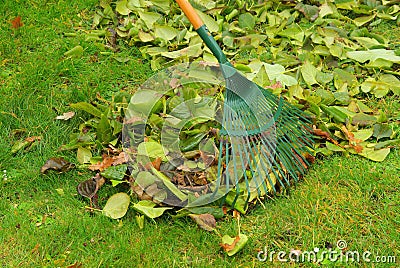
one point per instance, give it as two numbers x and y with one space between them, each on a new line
319 55
322 53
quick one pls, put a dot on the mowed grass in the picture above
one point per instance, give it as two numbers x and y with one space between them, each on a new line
341 198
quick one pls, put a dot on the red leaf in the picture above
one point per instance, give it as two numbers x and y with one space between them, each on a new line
16 22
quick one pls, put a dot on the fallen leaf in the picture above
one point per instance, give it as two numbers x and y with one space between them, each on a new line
375 155
33 138
16 22
75 265
109 161
230 246
205 221
233 245
382 131
58 164
147 207
90 187
324 134
35 249
75 52
117 205
22 144
66 116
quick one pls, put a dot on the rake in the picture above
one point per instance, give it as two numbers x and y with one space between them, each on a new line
265 139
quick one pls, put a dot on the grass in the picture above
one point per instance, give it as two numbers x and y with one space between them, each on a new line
348 198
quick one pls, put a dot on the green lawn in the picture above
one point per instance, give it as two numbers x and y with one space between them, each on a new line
341 198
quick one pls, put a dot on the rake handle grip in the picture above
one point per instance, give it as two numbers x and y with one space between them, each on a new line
190 13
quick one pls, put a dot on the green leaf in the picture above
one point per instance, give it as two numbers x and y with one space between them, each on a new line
293 32
87 107
363 134
310 12
362 119
192 51
149 18
246 21
334 112
217 212
211 24
145 37
387 143
121 7
165 32
325 9
375 155
334 148
277 72
360 21
191 142
144 179
104 130
152 150
115 172
382 86
75 52
19 145
233 245
309 73
167 182
117 206
373 55
140 221
83 155
147 208
142 103
382 131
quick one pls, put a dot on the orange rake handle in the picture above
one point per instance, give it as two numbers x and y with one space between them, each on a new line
190 13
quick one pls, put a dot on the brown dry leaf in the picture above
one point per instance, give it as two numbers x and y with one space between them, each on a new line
109 161
310 158
66 116
357 148
205 221
156 163
300 159
224 210
90 187
236 214
275 86
324 134
75 265
200 179
33 138
16 22
174 83
58 164
349 135
208 159
230 247
35 249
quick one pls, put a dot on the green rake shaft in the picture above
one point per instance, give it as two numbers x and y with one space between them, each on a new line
260 132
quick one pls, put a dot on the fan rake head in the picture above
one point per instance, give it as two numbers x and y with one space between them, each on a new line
264 139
